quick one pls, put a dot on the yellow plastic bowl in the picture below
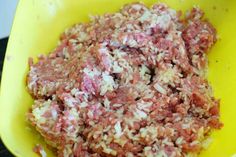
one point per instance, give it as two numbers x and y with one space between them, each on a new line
36 30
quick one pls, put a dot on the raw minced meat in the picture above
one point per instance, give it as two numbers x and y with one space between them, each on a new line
130 84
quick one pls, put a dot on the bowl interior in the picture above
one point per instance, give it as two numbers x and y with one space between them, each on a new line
36 30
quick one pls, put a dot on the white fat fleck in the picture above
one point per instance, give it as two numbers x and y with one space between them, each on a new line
82 36
118 129
169 37
140 114
167 142
70 101
161 154
154 49
119 54
33 77
117 68
179 140
167 76
107 149
149 153
132 43
67 150
130 133
148 93
137 6
65 53
143 70
125 39
90 114
91 72
129 26
117 105
160 56
39 111
186 126
107 103
146 15
114 43
144 106
74 115
172 13
42 153
182 50
54 114
73 40
74 91
85 95
163 21
147 148
108 84
194 143
129 154
200 134
159 88
32 82
107 128
149 131
70 128
120 141
83 104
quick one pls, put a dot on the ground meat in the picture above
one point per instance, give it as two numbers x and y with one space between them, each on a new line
130 84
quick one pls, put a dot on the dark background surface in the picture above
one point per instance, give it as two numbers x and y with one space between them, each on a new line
3 44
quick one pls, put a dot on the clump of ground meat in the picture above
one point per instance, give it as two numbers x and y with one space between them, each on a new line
131 83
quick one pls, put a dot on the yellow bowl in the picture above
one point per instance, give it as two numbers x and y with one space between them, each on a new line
36 30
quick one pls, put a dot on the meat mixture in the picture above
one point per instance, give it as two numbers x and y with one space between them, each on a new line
127 84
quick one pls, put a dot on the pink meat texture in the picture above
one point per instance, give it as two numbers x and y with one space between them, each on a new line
127 84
